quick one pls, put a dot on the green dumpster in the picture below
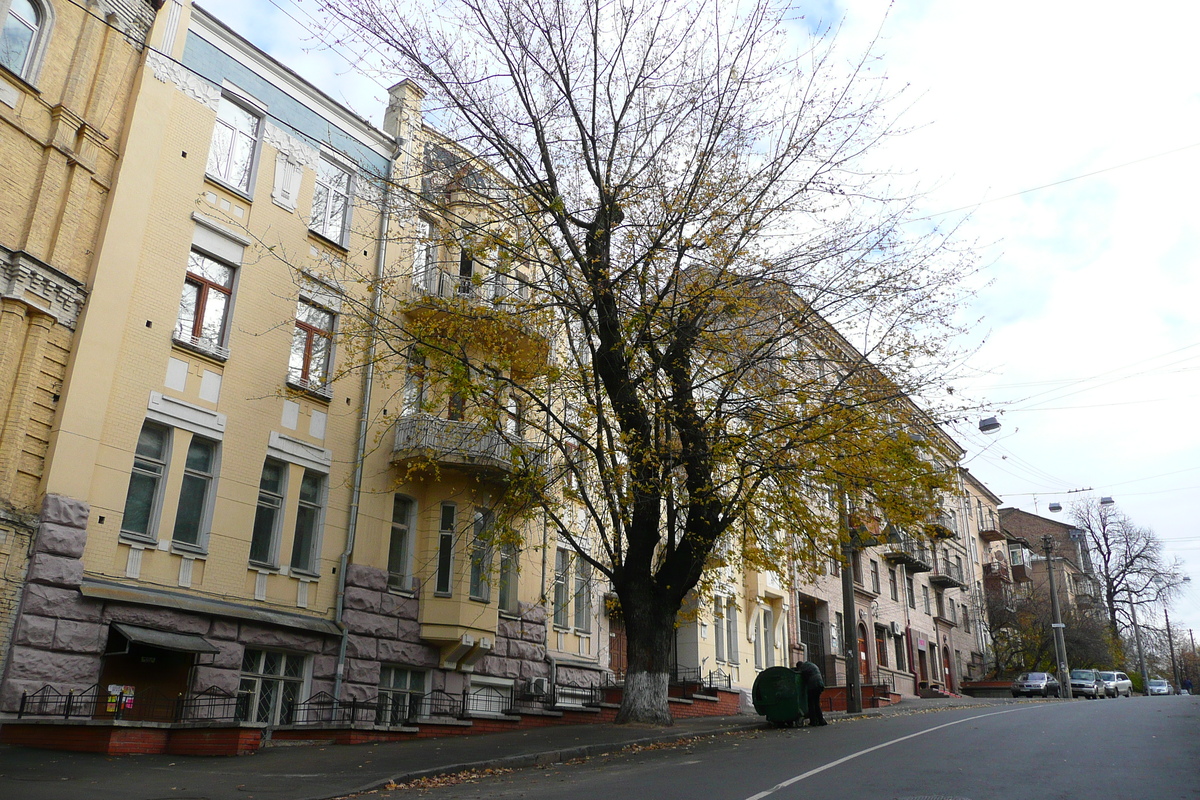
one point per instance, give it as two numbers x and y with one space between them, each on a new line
779 695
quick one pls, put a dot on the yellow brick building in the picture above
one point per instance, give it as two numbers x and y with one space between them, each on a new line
66 73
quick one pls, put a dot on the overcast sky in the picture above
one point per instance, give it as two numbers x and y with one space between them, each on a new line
1068 134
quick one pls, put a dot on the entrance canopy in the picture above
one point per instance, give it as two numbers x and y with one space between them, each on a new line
165 640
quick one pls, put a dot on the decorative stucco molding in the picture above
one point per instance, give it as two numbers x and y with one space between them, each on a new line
189 83
40 286
297 150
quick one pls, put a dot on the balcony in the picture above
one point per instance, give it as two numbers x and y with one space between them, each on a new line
997 570
903 549
495 310
989 530
941 527
946 574
456 444
1021 573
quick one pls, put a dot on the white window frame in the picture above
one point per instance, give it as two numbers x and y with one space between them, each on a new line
218 348
443 585
301 375
312 565
583 595
562 588
480 588
30 67
508 593
244 104
400 577
208 481
252 679
395 700
271 499
156 469
318 217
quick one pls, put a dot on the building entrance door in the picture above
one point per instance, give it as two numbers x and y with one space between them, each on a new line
864 666
618 652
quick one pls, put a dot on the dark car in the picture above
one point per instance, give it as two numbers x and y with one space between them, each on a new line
1029 684
1087 683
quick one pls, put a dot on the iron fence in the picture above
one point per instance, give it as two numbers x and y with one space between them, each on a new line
211 704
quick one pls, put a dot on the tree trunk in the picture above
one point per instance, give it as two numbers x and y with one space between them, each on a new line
650 631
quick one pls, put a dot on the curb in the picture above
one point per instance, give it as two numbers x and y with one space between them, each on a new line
543 757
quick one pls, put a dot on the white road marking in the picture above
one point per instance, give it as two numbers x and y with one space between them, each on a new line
853 756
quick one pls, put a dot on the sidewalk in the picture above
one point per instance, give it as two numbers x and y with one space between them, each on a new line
321 772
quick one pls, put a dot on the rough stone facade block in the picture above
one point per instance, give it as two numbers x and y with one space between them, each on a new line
526 651
408 630
362 647
225 680
79 637
60 510
366 577
363 622
55 570
360 692
359 671
51 601
230 656
360 599
63 670
396 605
35 632
60 540
223 629
280 639
324 667
392 651
532 669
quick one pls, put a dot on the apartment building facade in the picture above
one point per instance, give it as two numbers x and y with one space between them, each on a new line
66 75
253 504
239 508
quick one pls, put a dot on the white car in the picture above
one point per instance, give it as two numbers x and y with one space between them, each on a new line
1116 684
1158 686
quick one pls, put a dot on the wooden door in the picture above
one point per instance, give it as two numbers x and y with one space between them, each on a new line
618 652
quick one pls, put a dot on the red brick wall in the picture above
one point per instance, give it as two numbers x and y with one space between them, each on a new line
214 741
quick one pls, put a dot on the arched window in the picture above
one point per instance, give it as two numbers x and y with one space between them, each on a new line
24 24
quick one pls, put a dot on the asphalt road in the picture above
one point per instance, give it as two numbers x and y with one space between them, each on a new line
1140 749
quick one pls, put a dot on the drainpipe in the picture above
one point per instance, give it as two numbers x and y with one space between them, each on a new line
363 429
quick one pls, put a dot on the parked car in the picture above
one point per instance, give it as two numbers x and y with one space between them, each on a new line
1087 683
1116 684
1158 686
1029 684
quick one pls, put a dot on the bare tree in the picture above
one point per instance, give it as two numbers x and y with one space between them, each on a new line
1127 559
737 303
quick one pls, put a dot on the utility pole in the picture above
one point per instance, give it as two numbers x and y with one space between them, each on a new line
849 635
1171 647
1137 638
1060 644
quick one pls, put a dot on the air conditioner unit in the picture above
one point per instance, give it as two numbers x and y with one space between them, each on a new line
896 629
539 686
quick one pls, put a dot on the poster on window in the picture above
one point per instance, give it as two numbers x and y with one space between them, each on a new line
119 694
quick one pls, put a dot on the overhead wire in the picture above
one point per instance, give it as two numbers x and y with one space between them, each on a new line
973 206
